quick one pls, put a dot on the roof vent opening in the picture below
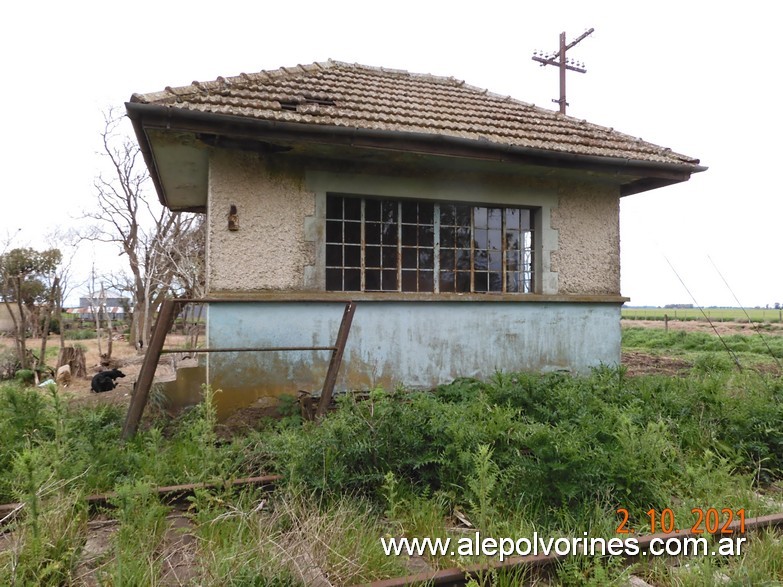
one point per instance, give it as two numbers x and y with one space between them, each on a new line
321 102
293 105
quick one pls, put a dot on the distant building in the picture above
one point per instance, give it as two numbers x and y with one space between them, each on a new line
6 321
115 308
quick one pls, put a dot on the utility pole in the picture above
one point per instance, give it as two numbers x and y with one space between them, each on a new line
558 59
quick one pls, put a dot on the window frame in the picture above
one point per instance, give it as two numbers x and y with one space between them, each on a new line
373 273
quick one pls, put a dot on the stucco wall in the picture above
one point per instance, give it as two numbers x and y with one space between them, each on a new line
281 212
587 220
269 251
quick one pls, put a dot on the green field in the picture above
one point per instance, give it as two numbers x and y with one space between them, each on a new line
714 314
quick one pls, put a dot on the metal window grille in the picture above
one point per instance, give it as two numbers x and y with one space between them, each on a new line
412 246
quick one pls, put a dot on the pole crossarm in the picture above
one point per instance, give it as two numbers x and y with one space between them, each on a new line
559 60
543 62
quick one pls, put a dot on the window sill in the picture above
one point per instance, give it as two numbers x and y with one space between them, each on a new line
339 296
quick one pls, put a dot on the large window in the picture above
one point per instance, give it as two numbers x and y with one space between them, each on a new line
407 245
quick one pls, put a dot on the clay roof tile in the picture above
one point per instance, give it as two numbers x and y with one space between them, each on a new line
333 93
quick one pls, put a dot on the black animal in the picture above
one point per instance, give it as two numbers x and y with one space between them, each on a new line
104 381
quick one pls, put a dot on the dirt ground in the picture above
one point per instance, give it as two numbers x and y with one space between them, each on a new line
640 363
126 357
703 326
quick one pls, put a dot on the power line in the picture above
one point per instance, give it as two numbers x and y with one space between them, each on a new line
753 324
706 317
559 60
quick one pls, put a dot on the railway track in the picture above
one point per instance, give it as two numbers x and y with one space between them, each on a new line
178 546
169 495
531 565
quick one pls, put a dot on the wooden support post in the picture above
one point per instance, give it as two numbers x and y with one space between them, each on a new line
666 322
168 311
337 357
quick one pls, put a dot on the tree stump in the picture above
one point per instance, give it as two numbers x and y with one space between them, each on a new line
63 375
73 357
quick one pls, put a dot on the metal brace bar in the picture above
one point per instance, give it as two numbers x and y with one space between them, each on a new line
336 361
255 350
168 311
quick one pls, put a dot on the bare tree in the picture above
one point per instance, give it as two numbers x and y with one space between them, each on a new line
186 256
47 310
128 215
66 241
97 304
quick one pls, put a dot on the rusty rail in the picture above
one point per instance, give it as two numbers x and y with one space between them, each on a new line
169 494
164 322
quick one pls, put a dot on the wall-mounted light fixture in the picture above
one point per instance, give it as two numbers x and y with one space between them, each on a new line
233 218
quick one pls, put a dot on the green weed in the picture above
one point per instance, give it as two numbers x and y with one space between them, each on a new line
49 533
142 521
520 453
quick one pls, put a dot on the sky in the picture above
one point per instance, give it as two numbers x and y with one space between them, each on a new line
699 77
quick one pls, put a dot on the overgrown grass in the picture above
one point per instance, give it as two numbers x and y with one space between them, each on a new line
748 348
290 538
548 453
142 523
521 453
554 440
85 444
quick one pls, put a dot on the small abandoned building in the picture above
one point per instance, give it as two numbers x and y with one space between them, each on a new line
475 232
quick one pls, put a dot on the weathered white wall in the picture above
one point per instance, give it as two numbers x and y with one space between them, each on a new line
416 344
280 247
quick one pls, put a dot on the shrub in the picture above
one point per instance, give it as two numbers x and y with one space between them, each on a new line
84 334
552 440
54 325
710 363
25 376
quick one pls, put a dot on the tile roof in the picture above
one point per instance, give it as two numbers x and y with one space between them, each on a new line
373 98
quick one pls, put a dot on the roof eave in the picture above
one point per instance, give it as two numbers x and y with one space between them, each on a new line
651 174
146 152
